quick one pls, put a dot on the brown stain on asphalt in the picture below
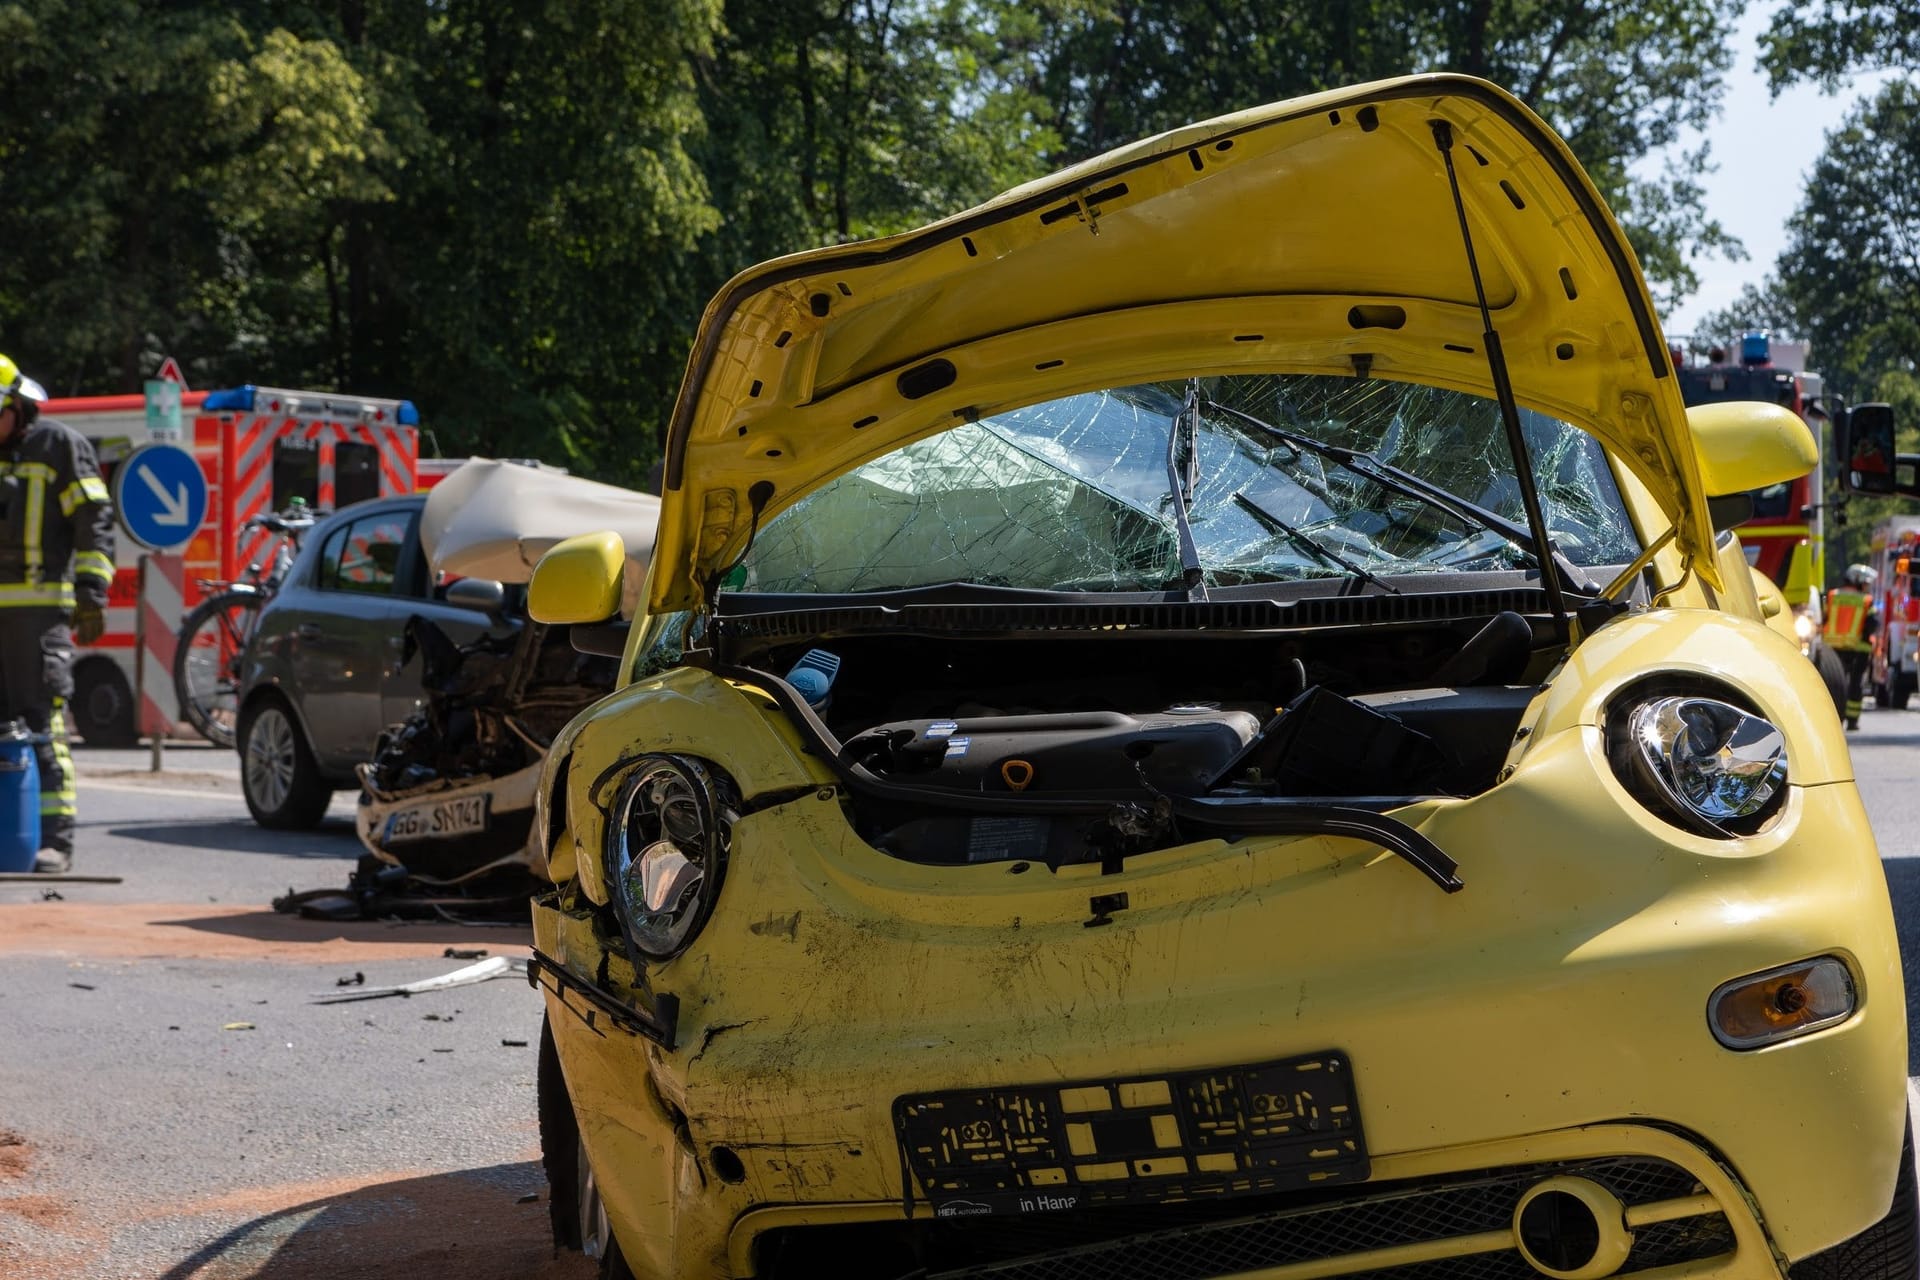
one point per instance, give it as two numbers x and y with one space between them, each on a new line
134 931
16 1157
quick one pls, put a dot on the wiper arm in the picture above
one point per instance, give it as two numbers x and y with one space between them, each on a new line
1407 484
1310 544
1181 479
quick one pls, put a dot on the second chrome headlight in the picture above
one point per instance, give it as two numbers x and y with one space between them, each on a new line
1718 765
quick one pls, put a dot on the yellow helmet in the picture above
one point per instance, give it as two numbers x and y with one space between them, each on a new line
19 391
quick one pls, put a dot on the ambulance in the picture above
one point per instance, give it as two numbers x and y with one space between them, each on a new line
259 448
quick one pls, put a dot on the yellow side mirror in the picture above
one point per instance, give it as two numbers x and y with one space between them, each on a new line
578 580
1746 444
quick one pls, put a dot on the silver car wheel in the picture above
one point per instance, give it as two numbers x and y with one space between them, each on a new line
595 1232
270 758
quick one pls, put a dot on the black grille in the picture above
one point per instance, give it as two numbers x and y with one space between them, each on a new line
1198 1241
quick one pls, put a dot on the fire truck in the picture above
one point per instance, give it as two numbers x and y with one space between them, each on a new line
260 448
1896 651
1784 536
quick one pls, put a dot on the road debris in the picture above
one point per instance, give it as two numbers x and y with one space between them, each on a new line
357 980
484 971
52 895
238 1026
515 1044
83 986
465 953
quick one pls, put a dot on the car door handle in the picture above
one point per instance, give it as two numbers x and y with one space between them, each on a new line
309 631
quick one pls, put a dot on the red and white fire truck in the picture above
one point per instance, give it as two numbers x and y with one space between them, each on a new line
1896 650
260 448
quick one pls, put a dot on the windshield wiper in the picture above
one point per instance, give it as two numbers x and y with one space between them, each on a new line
1308 543
1181 479
1407 484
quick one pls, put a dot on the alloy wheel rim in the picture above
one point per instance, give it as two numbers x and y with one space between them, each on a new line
270 759
595 1231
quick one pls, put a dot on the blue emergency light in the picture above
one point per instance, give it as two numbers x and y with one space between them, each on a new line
248 399
1755 349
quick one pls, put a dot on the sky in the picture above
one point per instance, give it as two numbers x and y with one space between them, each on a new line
1764 147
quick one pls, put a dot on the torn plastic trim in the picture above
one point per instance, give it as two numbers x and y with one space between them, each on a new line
1267 816
659 1025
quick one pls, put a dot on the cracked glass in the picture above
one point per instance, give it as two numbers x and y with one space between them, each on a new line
1074 494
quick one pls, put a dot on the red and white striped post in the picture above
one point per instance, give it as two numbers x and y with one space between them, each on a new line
162 600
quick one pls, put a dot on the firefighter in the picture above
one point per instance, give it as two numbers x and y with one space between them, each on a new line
56 561
1851 626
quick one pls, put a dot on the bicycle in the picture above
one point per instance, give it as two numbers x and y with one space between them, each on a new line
214 637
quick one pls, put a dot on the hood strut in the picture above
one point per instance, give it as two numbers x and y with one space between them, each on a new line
1503 392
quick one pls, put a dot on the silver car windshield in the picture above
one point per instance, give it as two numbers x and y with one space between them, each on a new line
1074 495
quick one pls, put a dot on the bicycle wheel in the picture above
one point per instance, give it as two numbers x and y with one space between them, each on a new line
206 662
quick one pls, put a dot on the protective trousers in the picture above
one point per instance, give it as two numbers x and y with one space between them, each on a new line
1855 662
36 679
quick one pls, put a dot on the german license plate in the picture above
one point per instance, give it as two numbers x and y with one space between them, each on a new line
437 820
1188 1135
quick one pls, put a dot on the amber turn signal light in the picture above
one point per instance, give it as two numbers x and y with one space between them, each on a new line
1793 1000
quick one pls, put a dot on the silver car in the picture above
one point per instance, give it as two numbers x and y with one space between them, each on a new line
328 668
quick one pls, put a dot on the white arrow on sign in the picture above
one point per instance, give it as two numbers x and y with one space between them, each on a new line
175 503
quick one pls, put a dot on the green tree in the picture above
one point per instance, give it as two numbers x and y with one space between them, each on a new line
1851 269
1622 83
1827 42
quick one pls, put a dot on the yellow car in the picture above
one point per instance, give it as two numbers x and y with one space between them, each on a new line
1202 719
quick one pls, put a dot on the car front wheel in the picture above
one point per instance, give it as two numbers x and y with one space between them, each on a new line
1888 1250
579 1218
278 776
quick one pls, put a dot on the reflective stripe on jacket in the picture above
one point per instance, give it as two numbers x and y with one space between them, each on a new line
56 520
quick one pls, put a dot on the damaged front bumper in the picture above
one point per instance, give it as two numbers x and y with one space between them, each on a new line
449 832
1555 1011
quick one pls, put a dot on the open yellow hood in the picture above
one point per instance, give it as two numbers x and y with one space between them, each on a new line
1316 236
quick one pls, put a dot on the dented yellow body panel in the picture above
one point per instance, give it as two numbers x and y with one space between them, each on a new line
1564 988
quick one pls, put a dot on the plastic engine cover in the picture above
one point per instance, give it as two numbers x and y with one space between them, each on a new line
1179 750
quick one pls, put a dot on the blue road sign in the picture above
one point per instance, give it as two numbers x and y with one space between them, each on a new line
161 496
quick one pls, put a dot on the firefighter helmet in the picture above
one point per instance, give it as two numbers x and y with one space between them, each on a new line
18 391
1859 575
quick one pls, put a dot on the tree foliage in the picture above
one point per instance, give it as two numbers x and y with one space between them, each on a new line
513 211
1852 264
1828 41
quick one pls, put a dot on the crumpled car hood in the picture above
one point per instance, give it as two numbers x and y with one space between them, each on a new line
1314 236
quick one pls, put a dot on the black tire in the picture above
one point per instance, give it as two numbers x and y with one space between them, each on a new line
102 706
568 1209
282 784
1887 1250
1902 690
1833 674
206 662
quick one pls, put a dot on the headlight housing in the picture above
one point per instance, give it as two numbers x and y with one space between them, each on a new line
669 835
1699 760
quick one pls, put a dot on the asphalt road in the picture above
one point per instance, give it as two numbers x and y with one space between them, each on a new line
142 1139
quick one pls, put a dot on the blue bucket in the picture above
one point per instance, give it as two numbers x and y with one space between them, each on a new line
19 798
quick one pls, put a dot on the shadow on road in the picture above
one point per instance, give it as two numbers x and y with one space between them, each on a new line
472 1224
272 927
334 838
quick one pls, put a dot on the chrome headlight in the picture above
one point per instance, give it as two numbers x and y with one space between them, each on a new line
668 838
1719 769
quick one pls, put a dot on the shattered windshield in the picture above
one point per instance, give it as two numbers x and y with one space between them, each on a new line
1074 494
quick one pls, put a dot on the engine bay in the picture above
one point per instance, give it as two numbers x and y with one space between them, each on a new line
1093 747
